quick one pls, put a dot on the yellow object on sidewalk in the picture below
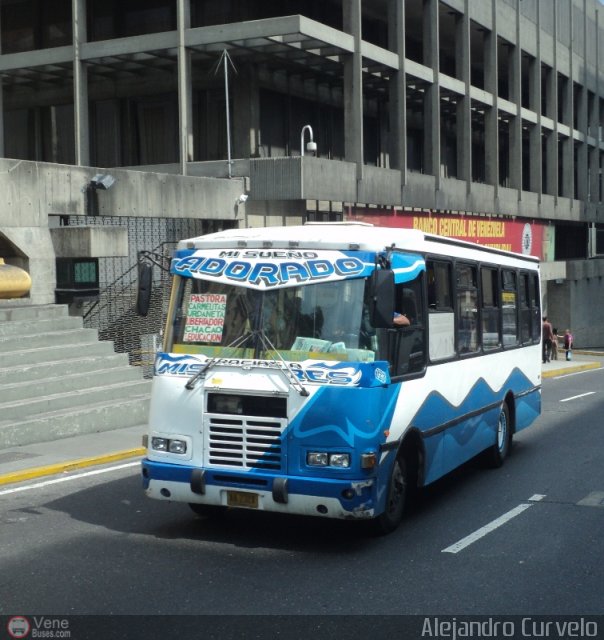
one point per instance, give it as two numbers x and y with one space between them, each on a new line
14 282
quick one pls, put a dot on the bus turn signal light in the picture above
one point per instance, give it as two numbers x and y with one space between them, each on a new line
368 460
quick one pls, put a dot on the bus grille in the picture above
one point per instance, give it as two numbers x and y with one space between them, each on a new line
244 443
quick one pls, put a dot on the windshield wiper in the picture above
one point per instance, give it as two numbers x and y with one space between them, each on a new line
285 368
214 359
267 345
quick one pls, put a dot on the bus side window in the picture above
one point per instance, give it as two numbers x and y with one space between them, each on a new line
509 305
467 308
491 310
535 308
525 309
441 319
408 343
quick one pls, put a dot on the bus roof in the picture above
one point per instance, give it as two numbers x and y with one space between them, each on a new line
346 236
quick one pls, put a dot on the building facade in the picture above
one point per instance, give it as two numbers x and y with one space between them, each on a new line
470 114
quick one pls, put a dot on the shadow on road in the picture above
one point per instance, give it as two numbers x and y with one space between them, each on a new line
121 506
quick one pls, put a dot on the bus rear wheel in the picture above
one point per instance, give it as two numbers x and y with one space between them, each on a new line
396 499
496 454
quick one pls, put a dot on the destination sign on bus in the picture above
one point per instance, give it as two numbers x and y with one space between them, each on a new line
266 269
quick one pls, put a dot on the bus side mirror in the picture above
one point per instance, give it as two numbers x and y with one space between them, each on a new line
145 285
382 299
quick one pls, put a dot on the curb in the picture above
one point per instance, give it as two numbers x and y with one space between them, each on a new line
579 367
71 465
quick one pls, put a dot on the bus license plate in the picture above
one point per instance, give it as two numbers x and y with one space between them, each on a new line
242 499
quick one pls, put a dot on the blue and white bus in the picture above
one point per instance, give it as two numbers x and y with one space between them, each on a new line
333 369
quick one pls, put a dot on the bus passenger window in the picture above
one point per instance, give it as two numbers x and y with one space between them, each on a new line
525 310
467 308
509 303
535 308
490 308
439 286
405 345
441 318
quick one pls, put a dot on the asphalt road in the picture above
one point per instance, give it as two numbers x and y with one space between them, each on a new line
526 539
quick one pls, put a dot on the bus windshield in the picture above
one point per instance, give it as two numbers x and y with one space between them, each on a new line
325 321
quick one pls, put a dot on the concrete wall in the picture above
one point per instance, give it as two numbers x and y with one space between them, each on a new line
577 303
30 192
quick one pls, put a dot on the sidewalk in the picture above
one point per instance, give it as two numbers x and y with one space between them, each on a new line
582 360
29 462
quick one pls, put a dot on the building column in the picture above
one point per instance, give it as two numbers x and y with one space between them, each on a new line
432 95
583 123
594 126
246 113
515 155
551 98
80 85
353 88
535 151
2 151
185 92
491 122
464 103
567 117
398 90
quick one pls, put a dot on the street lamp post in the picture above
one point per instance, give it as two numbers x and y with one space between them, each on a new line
312 145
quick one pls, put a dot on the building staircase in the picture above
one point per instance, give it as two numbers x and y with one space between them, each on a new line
57 379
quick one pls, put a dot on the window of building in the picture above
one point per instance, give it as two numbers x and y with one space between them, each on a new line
109 19
27 25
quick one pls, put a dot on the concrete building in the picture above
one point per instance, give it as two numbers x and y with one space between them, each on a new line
480 118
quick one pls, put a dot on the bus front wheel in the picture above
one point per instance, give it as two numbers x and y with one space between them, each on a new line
396 499
498 452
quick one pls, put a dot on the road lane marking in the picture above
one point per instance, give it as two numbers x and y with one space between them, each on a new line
537 497
594 499
581 395
75 476
495 524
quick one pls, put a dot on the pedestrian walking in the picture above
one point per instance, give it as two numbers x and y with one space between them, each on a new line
555 345
547 335
568 344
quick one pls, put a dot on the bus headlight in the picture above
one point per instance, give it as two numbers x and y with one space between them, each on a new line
170 446
159 444
317 459
341 460
177 446
325 459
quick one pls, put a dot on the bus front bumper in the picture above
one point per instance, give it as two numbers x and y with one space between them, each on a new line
327 497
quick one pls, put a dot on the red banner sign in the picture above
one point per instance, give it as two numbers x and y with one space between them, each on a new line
521 236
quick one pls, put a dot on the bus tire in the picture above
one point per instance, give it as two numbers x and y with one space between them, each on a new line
396 499
496 454
206 510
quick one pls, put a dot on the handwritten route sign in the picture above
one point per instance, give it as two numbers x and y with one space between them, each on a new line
205 317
